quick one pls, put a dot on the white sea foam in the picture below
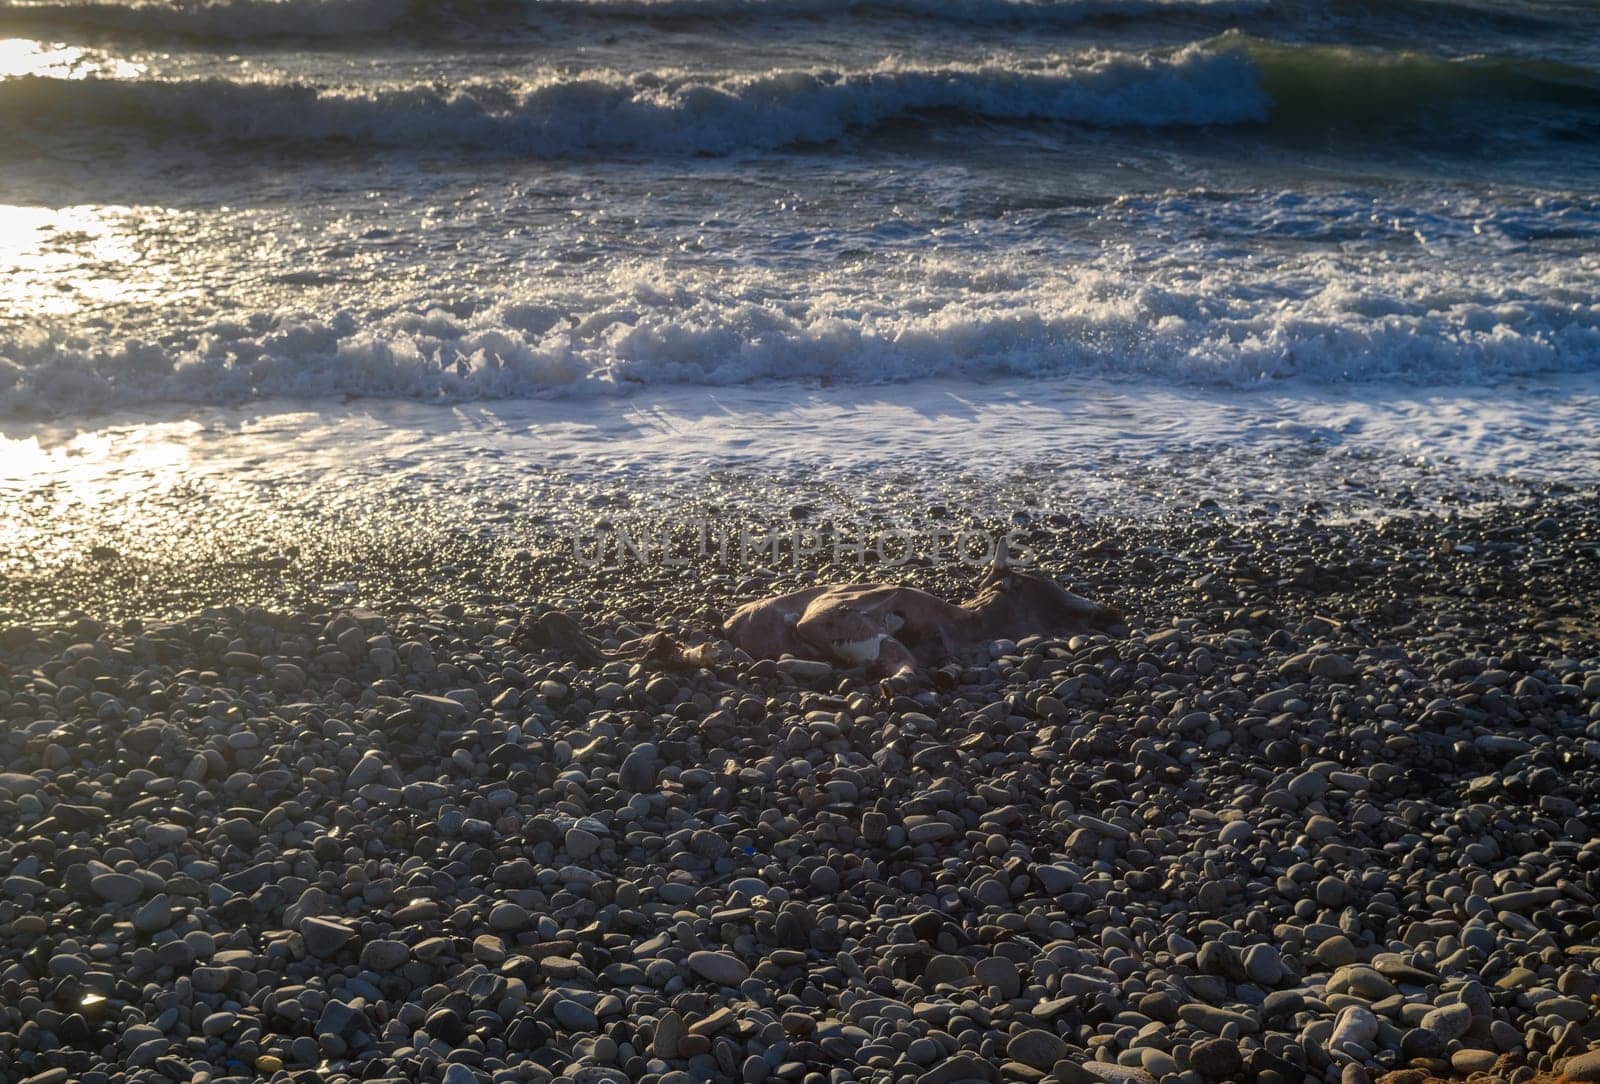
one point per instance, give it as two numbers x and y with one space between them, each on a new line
646 324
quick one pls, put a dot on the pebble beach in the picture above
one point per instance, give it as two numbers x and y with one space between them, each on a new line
344 344
1327 812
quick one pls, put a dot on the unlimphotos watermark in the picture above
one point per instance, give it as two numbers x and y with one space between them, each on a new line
749 545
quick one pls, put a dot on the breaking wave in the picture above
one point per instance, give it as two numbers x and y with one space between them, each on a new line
1228 80
669 112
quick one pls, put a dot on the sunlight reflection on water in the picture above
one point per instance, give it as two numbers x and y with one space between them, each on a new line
57 261
24 56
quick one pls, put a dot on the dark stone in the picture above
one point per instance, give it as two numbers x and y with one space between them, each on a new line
75 818
446 1025
1217 1059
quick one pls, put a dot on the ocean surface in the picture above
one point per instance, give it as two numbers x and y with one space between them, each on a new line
1339 220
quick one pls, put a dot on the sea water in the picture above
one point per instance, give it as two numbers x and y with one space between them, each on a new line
1128 223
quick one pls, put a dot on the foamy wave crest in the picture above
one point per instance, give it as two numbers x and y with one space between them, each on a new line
668 112
212 19
1219 328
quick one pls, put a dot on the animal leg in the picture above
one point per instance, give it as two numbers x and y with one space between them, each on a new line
1094 614
557 630
657 651
899 667
895 659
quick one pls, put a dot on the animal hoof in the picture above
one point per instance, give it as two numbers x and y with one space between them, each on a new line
1109 619
902 683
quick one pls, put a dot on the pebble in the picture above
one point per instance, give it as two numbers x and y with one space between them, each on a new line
1362 982
16 783
805 669
1354 1026
575 1016
154 916
1468 1062
722 968
507 917
1447 1023
1263 964
1235 833
218 1023
117 888
1002 975
384 955
946 968
1037 1048
1336 952
670 1031
325 937
581 844
165 836
1216 1059
1213 1019
1113 1073
367 770
639 768
1056 880
1583 1069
